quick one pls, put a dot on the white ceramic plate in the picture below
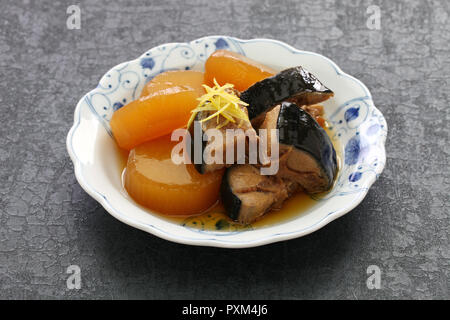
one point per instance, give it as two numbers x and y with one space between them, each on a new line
357 125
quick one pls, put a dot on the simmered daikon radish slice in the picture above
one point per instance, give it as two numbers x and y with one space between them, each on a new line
171 81
153 180
164 106
230 67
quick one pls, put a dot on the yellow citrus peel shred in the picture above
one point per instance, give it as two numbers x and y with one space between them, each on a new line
222 103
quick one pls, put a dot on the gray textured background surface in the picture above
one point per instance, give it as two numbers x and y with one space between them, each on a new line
48 222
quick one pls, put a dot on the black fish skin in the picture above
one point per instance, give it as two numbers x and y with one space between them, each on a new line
230 201
299 129
200 167
291 83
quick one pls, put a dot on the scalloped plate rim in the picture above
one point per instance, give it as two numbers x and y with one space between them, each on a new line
215 241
